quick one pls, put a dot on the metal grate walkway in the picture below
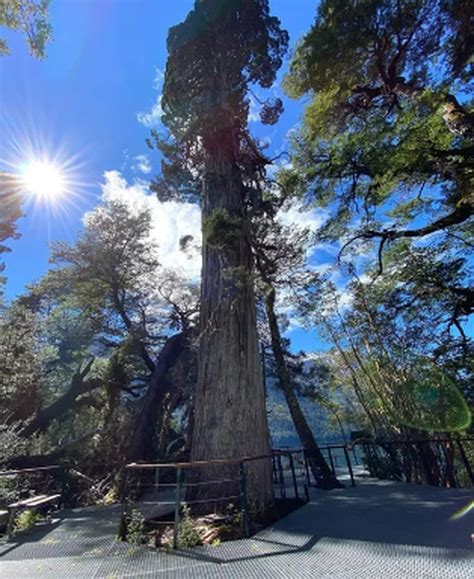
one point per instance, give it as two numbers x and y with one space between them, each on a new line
378 529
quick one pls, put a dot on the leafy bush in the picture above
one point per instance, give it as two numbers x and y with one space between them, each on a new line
8 490
25 521
188 535
135 528
110 498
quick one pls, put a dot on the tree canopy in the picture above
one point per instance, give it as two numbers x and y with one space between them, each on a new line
29 17
388 134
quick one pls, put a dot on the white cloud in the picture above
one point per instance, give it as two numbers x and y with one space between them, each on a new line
142 164
152 119
296 215
159 78
171 221
254 110
345 297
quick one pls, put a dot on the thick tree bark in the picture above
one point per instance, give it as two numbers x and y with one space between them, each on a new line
143 442
230 417
64 403
317 462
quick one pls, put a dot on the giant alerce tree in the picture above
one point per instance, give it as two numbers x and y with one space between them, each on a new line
214 55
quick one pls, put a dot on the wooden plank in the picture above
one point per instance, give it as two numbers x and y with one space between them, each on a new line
44 501
25 502
32 503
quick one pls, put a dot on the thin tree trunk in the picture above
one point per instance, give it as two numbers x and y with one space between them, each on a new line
143 442
230 417
317 462
65 403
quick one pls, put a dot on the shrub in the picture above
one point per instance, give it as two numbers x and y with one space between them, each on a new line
135 527
25 521
188 536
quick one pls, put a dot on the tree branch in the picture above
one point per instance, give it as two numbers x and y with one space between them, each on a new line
462 213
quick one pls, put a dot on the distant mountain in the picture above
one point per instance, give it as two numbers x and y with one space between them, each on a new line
281 426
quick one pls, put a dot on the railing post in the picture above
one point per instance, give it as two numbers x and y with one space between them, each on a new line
349 466
282 478
274 469
157 480
368 454
243 500
64 478
305 482
450 470
305 458
465 460
122 530
293 474
331 461
177 512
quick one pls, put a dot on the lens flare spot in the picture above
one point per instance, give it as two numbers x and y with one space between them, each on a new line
43 179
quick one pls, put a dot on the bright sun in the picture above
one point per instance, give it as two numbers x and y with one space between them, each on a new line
43 179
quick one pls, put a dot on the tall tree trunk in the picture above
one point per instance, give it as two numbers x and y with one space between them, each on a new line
230 417
317 462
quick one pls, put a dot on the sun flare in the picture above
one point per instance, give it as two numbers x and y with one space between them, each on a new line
43 179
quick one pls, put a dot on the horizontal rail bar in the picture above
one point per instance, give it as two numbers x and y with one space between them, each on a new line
194 464
373 442
30 470
210 462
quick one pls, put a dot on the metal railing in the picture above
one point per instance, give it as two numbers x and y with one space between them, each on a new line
162 492
392 459
448 456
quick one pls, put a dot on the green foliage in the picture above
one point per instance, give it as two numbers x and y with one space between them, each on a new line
386 148
8 489
241 40
384 135
25 521
10 212
220 229
21 363
352 40
188 536
29 17
135 528
253 44
110 498
392 350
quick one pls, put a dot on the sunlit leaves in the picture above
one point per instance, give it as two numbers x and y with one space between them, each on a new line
29 17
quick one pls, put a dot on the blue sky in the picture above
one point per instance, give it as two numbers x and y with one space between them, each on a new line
83 104
85 97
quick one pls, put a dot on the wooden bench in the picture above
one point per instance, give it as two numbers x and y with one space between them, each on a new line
32 503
